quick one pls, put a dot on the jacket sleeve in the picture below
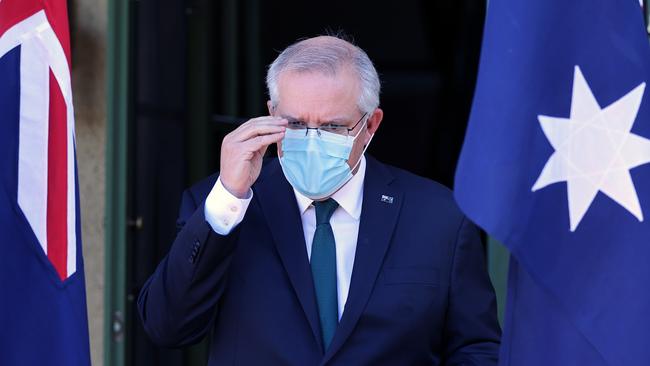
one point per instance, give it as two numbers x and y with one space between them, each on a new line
180 301
472 330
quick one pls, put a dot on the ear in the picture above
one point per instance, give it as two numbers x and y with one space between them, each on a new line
374 121
269 105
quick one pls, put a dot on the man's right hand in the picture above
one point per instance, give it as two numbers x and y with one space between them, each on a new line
242 151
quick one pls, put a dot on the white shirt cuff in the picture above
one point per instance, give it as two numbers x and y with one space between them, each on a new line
224 211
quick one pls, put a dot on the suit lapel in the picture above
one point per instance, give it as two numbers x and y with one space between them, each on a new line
379 214
278 202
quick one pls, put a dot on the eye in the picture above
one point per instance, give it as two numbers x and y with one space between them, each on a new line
333 127
296 125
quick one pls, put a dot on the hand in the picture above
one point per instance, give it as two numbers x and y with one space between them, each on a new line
242 151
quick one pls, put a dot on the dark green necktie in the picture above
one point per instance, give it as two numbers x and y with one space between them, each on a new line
323 269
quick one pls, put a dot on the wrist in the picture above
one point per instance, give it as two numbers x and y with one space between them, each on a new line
241 194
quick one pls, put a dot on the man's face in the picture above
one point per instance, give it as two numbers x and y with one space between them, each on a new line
319 99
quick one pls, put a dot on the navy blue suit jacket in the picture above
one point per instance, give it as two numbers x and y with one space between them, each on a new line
419 293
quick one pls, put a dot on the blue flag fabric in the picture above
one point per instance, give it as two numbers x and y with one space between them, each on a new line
555 166
43 319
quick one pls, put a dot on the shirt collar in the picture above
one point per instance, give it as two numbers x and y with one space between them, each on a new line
349 197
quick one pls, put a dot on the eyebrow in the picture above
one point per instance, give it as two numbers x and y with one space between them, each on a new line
334 121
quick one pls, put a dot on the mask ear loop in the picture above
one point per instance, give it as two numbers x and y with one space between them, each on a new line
362 153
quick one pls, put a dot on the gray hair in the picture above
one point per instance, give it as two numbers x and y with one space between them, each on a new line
327 54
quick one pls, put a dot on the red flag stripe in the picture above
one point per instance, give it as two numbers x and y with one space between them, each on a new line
12 12
57 181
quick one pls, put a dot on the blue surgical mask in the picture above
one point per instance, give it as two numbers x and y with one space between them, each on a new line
317 166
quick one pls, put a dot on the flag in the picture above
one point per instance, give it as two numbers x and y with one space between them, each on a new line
555 166
43 319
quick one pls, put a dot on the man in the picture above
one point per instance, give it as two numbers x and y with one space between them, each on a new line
323 256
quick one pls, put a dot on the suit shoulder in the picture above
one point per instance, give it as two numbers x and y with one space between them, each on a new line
418 183
426 192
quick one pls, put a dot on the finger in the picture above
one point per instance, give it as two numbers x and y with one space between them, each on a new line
260 153
256 120
258 129
263 120
262 141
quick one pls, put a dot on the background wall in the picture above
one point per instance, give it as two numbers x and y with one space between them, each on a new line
88 33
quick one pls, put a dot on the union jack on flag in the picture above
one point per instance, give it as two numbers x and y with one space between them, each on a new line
42 294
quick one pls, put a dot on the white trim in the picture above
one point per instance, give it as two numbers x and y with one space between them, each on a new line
17 34
33 140
72 209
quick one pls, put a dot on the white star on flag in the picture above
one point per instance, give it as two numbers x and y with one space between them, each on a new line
594 150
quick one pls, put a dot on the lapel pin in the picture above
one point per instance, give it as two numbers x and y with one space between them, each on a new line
386 199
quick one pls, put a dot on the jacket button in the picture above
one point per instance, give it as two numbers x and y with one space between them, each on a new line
195 251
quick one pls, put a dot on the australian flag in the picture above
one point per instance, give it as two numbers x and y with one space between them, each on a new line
556 166
43 318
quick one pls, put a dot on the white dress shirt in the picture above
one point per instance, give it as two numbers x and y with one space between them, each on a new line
223 212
